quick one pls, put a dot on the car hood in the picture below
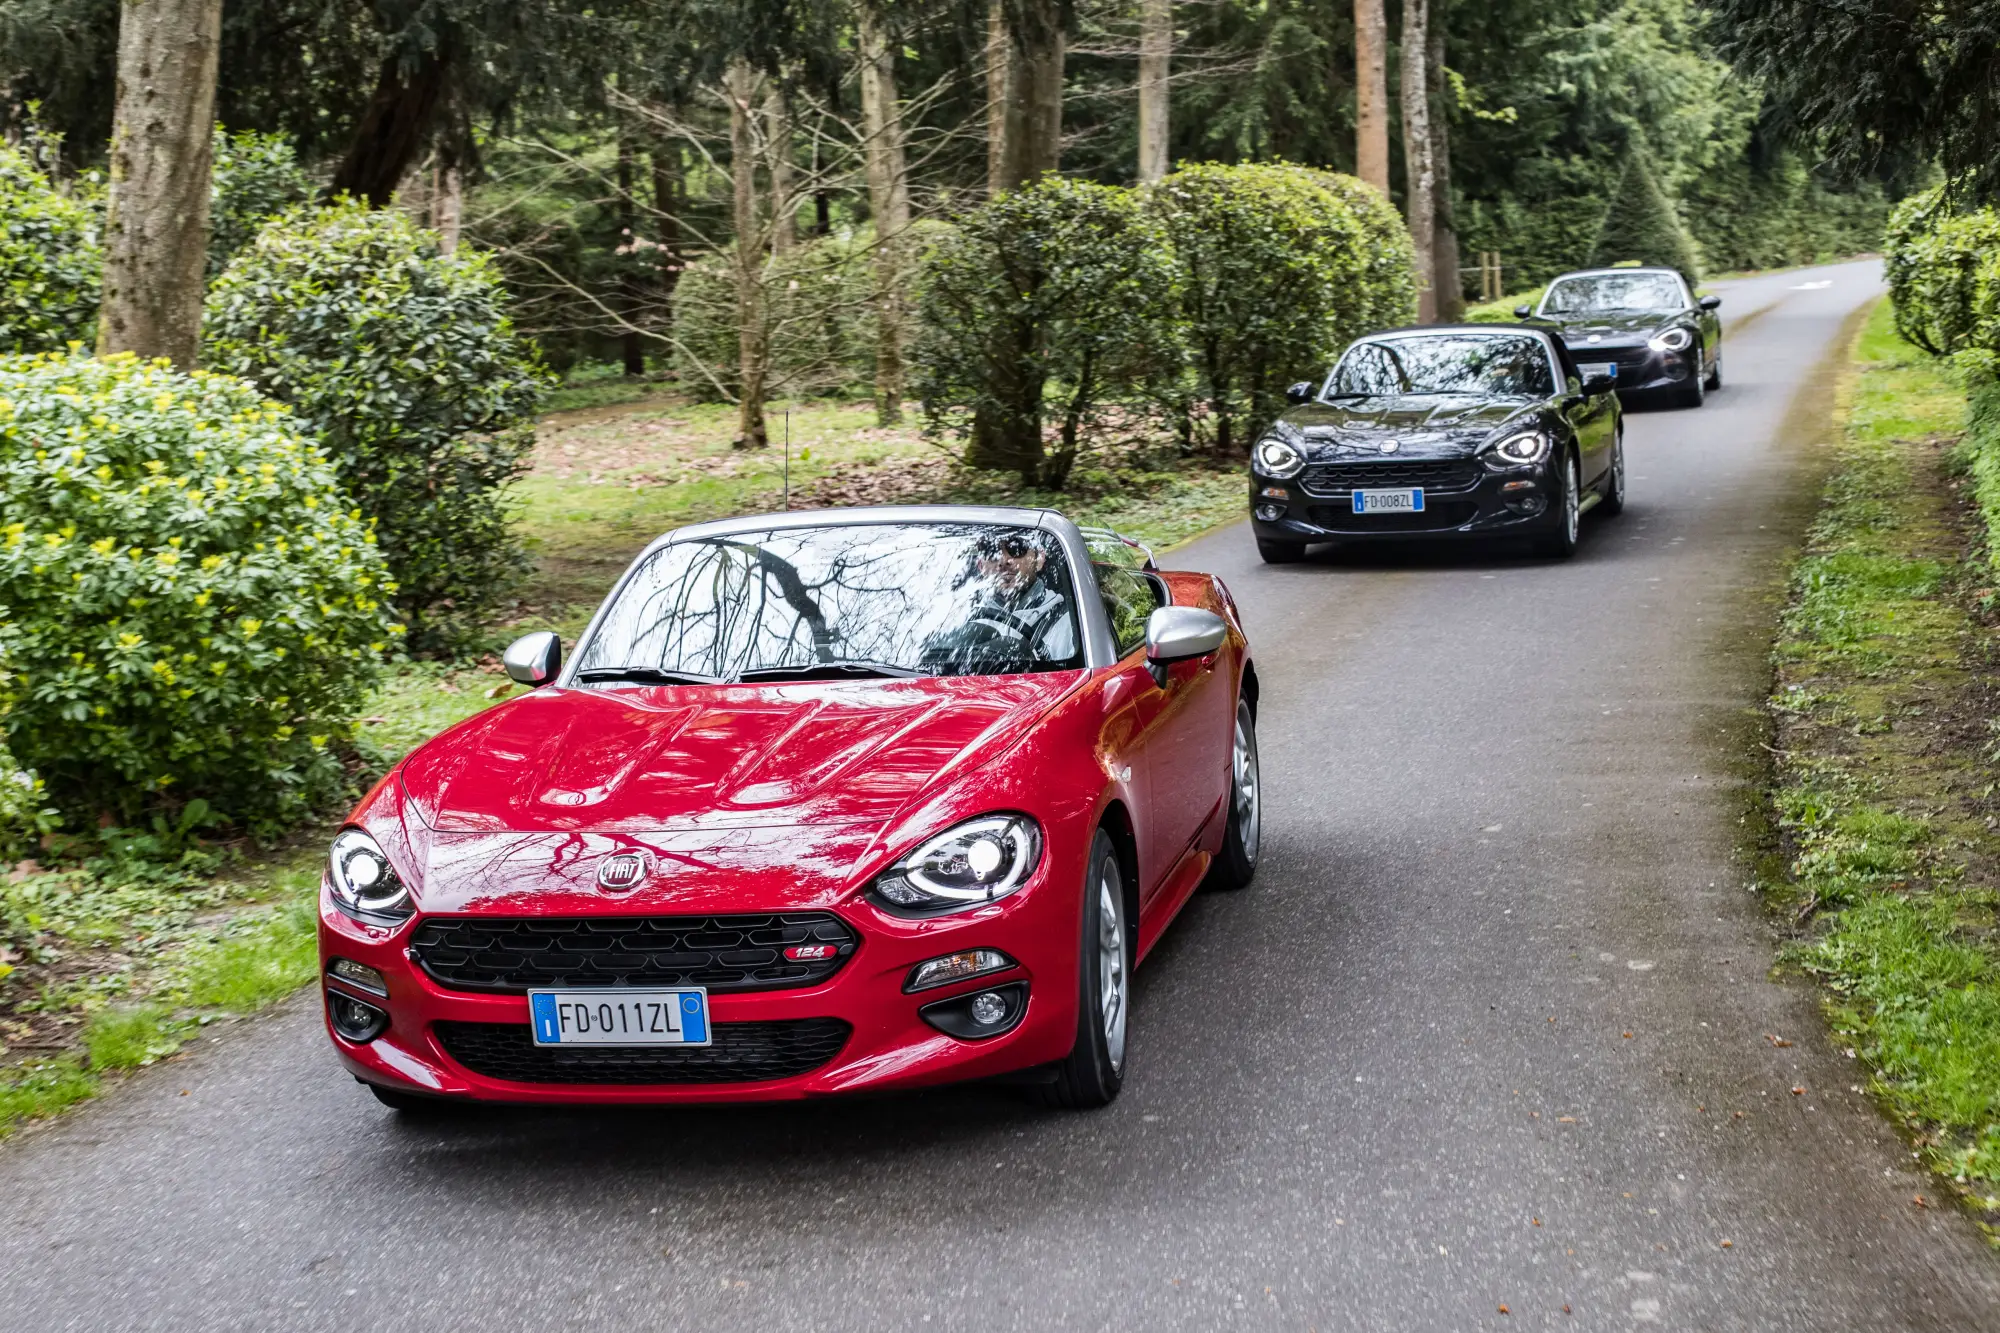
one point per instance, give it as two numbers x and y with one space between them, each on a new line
706 759
1421 425
1612 329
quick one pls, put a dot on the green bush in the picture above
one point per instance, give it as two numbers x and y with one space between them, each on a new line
189 604
1051 301
1744 217
51 259
820 312
1943 270
254 178
1279 267
25 812
405 364
1641 224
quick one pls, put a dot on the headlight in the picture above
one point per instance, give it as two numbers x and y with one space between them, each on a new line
1275 458
1516 450
1673 340
970 863
364 883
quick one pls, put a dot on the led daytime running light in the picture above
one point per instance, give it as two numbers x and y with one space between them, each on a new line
1275 458
968 864
1673 340
363 881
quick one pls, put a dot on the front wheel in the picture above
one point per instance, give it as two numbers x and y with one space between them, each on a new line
1560 541
1095 1068
1236 865
1695 393
1280 553
1715 374
1613 502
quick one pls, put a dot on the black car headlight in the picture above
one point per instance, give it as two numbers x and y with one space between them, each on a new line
1672 340
364 883
1275 458
975 862
1519 450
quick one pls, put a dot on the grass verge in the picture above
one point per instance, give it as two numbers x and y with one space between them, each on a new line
1883 792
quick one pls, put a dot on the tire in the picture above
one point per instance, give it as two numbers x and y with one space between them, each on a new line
1094 1070
1281 553
1694 395
1613 503
1566 526
1715 374
1236 865
410 1104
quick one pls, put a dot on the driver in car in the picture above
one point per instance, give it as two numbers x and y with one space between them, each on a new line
1018 614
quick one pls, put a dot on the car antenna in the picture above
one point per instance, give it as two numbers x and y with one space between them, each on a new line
788 460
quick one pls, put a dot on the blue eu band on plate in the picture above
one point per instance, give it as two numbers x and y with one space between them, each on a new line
620 1017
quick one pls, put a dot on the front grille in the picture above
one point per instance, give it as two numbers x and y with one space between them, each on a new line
1439 474
740 1053
723 953
1435 518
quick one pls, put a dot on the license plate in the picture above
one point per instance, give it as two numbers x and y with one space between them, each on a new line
1390 502
1609 368
620 1017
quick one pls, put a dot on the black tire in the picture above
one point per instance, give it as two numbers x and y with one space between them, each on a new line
1281 553
1236 865
1565 528
1094 1071
1613 503
1715 374
410 1104
1694 394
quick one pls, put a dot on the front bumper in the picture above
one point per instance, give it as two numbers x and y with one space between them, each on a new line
429 1048
1641 368
1462 498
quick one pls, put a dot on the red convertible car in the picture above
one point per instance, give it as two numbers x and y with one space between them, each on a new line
822 803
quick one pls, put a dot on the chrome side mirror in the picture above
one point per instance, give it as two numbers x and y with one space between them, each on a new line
1176 633
534 659
1301 393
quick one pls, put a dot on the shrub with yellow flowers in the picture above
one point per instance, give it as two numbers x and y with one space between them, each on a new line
190 606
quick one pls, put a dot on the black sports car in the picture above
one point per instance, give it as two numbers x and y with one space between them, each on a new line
1643 324
1476 430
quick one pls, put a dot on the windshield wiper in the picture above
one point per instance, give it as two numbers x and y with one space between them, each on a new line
847 667
642 675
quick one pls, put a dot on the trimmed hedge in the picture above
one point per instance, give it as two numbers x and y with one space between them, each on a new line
404 362
1641 224
189 604
51 260
1943 269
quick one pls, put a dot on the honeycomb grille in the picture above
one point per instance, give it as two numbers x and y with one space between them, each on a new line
723 953
1442 474
740 1053
1434 518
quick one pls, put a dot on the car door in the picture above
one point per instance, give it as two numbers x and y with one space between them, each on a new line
1592 418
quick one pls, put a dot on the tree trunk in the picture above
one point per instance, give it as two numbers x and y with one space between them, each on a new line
889 201
1449 281
1156 46
448 205
666 204
778 158
156 233
1002 115
1038 86
1371 94
1420 200
631 347
394 126
741 85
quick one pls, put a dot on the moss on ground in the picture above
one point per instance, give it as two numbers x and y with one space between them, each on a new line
1883 792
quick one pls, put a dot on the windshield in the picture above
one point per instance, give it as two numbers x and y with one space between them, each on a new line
1614 293
877 599
1487 364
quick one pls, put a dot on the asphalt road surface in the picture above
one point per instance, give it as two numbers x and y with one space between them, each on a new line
1489 1030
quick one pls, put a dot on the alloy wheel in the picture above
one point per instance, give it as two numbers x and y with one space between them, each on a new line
1248 793
1572 504
1111 979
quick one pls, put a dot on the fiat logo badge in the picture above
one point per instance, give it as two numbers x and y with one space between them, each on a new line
621 871
1390 446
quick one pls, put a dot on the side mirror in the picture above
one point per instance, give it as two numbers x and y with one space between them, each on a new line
1176 633
534 659
1709 302
1523 311
1302 392
1598 382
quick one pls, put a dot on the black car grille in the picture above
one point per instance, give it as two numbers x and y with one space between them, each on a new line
723 953
740 1053
1435 518
1440 474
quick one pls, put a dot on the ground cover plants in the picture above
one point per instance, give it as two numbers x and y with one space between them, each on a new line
1885 718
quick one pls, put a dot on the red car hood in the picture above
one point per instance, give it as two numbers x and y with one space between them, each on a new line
711 758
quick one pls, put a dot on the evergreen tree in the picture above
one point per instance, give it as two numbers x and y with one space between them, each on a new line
1642 226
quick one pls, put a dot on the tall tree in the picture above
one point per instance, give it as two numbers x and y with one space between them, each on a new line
778 162
156 241
1002 115
888 201
1156 47
1420 171
1035 104
743 86
1371 94
1444 231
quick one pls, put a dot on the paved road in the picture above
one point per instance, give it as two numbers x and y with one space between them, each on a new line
1489 1030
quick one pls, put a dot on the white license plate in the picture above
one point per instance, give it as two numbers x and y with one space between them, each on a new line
1390 502
1609 368
619 1017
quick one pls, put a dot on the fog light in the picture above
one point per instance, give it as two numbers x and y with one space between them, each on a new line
1532 505
956 967
354 1021
1270 513
982 1014
357 974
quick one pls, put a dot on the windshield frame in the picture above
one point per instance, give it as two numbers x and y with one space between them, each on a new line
1447 331
1680 283
1094 620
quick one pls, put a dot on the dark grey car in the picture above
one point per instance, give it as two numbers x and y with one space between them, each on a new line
1642 325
